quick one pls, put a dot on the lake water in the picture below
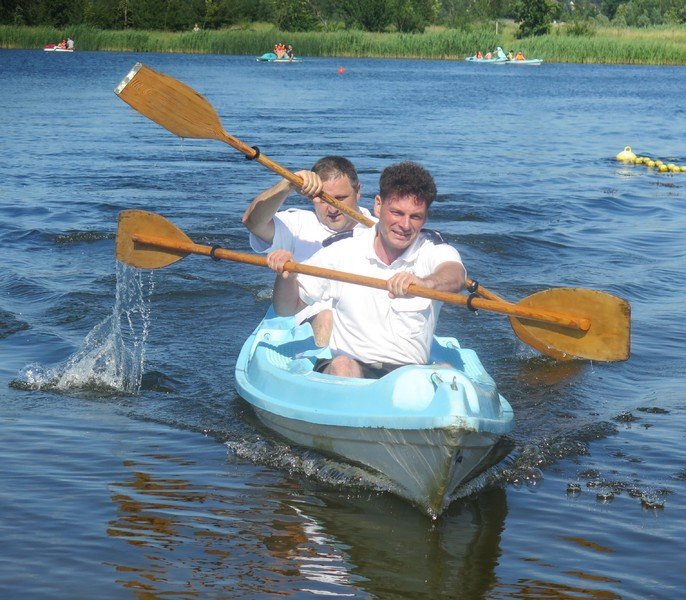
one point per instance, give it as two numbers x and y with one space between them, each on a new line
131 468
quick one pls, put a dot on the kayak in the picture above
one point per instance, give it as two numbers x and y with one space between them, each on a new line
271 57
424 431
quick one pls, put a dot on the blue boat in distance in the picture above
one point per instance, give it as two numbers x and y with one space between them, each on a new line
271 57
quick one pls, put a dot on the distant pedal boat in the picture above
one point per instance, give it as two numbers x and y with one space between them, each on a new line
271 57
55 48
422 430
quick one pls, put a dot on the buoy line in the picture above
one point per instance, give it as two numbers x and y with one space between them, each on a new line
628 156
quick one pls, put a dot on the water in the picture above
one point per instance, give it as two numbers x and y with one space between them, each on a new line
175 489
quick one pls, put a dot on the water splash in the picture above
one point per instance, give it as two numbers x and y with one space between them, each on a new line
112 355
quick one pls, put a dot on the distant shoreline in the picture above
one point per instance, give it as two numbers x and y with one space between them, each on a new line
650 46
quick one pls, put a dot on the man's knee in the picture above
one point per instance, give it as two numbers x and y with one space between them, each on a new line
344 366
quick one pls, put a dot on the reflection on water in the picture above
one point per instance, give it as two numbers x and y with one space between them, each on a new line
453 557
189 536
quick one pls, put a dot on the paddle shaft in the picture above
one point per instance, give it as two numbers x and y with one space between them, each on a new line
296 180
506 308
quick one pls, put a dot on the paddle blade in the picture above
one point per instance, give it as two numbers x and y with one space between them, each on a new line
140 222
608 338
170 103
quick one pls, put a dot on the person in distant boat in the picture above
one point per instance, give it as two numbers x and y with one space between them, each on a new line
520 56
489 56
510 55
70 44
63 44
479 55
302 232
289 52
376 331
280 50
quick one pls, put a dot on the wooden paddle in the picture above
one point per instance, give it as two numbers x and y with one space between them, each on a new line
565 323
184 112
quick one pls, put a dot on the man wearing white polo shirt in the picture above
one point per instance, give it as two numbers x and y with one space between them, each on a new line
301 232
375 330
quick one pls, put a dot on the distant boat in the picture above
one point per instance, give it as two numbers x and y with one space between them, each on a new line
56 48
498 57
271 57
527 61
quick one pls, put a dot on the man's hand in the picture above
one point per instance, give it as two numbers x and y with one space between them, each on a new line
277 259
312 184
399 283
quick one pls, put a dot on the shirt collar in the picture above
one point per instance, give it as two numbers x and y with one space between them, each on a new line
409 256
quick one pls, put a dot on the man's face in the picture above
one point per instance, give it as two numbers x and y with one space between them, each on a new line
344 192
401 218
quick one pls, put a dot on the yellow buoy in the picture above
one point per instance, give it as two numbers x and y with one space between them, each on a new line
650 163
663 168
626 155
683 168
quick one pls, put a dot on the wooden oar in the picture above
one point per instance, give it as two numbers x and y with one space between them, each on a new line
184 112
564 323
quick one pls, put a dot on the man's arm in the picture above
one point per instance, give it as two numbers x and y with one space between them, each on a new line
285 296
258 218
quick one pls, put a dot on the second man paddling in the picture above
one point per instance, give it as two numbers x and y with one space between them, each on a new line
301 232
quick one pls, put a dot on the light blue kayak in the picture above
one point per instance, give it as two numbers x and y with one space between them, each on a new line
424 430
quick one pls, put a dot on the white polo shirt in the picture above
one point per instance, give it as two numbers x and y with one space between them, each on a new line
367 324
298 231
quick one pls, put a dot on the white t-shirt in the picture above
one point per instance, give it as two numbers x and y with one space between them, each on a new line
367 324
298 231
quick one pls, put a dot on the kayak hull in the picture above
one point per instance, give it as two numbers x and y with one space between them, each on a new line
422 431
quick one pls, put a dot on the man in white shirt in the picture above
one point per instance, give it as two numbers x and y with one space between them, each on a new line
301 232
376 330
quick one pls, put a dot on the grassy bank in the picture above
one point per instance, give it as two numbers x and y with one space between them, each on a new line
656 46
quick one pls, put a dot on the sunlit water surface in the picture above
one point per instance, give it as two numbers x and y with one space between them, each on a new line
130 467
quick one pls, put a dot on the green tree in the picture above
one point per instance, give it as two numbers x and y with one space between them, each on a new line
411 16
296 15
534 17
609 7
371 15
